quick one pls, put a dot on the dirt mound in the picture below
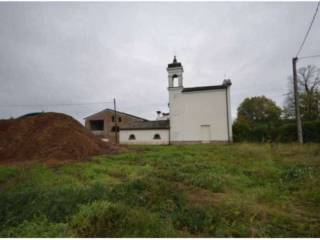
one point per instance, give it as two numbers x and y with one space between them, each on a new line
48 136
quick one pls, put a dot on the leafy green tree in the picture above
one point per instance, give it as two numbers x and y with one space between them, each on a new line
258 110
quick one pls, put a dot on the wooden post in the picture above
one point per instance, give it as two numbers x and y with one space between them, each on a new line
296 100
115 121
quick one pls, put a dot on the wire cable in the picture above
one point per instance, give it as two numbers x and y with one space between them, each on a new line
309 29
313 56
50 105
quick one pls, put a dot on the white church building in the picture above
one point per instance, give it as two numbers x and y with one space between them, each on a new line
196 115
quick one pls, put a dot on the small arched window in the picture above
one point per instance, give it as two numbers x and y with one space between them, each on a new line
132 137
175 80
156 136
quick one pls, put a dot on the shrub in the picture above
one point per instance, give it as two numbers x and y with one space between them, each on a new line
284 132
241 131
287 133
257 133
311 131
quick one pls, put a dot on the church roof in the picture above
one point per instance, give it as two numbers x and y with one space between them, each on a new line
194 89
159 124
225 85
174 63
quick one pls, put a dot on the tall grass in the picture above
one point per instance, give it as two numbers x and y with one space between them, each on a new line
238 190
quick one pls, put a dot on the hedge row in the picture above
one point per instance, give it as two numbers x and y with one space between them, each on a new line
283 132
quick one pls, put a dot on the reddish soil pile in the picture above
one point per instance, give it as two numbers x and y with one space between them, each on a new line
48 136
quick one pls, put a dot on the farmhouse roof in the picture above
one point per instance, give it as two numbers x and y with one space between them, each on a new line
111 110
159 124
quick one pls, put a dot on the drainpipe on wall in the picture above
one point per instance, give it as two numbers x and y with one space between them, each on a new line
169 132
227 83
228 117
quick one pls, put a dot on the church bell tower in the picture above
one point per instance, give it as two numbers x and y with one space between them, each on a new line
175 71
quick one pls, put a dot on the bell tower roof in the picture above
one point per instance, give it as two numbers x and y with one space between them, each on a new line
174 63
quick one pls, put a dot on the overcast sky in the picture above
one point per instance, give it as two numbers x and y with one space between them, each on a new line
52 53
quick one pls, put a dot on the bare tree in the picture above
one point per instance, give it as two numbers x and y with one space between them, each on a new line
309 94
309 79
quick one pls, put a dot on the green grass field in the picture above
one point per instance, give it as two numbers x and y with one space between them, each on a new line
239 190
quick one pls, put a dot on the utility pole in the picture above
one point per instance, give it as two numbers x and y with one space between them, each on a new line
115 120
296 100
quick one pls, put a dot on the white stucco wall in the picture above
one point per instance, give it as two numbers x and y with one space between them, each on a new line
191 110
144 136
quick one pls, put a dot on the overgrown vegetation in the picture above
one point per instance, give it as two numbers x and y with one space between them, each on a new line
259 119
239 190
284 131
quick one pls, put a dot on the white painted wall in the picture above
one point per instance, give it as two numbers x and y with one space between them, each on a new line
191 110
144 136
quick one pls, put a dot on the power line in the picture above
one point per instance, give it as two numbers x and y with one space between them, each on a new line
157 105
49 105
313 56
309 29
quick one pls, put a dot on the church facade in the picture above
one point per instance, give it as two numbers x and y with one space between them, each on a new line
196 115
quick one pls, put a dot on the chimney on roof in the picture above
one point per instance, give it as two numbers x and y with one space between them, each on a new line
158 115
227 82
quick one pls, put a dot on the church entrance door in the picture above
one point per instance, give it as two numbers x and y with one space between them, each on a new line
206 135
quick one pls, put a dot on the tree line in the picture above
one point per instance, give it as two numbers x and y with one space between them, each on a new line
259 119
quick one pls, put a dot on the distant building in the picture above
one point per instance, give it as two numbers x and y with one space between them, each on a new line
197 115
102 124
151 132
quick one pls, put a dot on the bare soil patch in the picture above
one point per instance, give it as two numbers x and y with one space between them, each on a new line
48 137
